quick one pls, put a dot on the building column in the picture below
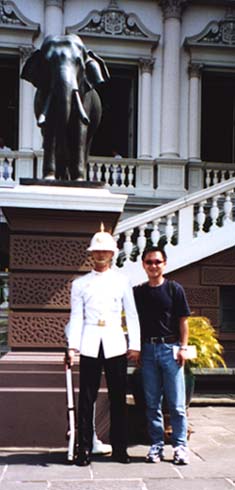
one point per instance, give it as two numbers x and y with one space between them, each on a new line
146 66
24 163
172 11
26 112
54 24
194 111
195 167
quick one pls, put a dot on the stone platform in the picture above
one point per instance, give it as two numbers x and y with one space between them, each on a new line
33 400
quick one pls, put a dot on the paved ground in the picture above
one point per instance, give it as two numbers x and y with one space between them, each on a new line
212 453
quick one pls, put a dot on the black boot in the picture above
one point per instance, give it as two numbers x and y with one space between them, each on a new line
121 456
84 458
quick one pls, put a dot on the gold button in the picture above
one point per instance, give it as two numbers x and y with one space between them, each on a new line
101 323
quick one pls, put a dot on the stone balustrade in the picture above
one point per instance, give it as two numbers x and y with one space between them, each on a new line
190 228
135 176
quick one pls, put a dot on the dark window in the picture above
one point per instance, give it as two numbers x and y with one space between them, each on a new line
118 127
9 100
227 308
218 117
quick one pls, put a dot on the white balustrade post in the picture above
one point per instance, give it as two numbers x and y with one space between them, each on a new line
106 174
130 176
128 245
169 231
10 169
155 235
121 176
91 171
99 172
200 218
115 175
141 240
228 206
214 213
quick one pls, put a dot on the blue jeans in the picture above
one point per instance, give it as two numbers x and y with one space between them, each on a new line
162 375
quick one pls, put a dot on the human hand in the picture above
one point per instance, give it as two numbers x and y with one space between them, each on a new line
181 357
133 355
70 356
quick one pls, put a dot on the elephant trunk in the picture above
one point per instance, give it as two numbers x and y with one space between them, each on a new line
81 110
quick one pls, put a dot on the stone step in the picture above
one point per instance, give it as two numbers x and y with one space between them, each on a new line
33 401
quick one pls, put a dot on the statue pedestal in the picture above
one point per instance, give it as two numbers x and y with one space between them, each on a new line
50 229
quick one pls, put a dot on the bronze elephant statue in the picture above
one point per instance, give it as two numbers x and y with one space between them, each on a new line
67 107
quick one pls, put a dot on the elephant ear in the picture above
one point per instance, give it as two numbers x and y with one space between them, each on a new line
33 69
96 70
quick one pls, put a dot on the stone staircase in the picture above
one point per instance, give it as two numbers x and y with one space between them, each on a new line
191 228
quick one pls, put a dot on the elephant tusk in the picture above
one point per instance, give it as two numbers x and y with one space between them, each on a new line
41 120
42 117
85 118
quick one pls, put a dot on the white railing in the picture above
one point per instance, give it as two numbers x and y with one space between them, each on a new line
133 176
15 165
190 228
118 174
215 173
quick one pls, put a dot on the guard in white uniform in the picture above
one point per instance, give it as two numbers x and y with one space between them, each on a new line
95 330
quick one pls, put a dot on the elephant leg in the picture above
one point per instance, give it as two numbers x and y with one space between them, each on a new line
49 154
61 157
77 145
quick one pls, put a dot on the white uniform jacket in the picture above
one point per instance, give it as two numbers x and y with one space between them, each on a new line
97 302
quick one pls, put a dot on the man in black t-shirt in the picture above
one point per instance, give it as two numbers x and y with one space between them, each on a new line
163 311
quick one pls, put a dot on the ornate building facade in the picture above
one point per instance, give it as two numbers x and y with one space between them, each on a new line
170 99
168 109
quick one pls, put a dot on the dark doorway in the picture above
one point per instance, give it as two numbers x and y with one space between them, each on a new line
9 100
227 308
4 247
119 121
218 117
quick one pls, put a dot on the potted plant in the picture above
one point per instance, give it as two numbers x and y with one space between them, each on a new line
209 351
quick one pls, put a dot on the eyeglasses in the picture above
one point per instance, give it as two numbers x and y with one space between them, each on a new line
153 262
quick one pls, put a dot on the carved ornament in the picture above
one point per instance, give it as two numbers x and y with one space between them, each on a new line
38 252
146 65
10 14
37 330
114 22
25 52
195 70
173 8
220 33
40 291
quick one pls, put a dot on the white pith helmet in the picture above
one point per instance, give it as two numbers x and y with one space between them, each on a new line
102 240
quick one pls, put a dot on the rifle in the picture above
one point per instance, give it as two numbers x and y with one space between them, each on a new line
71 411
